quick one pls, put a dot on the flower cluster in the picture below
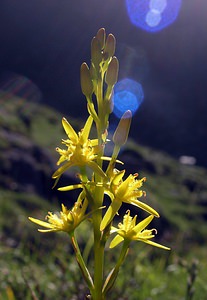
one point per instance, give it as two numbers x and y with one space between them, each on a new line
97 83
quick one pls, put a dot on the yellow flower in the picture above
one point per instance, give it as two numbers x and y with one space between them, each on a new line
81 151
66 220
128 230
124 191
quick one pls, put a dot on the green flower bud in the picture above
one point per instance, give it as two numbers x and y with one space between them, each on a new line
96 54
121 134
110 45
86 81
112 72
101 36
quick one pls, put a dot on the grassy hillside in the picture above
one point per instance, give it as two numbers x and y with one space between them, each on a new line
39 266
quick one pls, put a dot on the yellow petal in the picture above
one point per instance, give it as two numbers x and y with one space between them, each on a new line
111 195
61 159
143 224
124 186
155 244
113 229
118 177
87 127
144 206
94 142
61 170
41 223
118 239
47 230
70 187
70 131
109 159
110 213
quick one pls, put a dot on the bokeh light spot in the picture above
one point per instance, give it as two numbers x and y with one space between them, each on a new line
128 95
158 5
153 18
153 15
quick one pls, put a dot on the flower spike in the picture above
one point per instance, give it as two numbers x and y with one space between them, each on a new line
97 84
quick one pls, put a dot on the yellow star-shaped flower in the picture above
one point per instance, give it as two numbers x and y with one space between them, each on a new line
66 220
126 191
128 230
81 151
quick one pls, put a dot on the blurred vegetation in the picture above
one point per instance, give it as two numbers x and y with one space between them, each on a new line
39 266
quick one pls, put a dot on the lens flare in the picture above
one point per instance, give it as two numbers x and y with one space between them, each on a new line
128 95
153 15
18 88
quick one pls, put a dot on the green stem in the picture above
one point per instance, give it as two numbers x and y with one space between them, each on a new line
110 280
81 263
98 257
99 244
113 158
83 174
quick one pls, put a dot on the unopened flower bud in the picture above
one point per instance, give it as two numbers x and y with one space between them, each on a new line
101 36
96 54
121 134
110 45
86 81
112 72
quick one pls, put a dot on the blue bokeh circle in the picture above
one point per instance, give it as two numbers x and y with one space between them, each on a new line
153 15
128 95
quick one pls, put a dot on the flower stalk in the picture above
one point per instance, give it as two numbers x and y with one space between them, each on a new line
81 263
79 150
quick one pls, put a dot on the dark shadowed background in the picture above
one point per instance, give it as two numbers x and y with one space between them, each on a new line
46 41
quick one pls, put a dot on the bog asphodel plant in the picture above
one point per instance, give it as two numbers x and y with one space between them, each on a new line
97 83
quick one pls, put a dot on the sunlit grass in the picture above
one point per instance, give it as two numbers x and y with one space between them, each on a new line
35 265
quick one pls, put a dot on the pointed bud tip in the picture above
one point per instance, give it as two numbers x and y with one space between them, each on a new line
64 121
101 36
127 115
